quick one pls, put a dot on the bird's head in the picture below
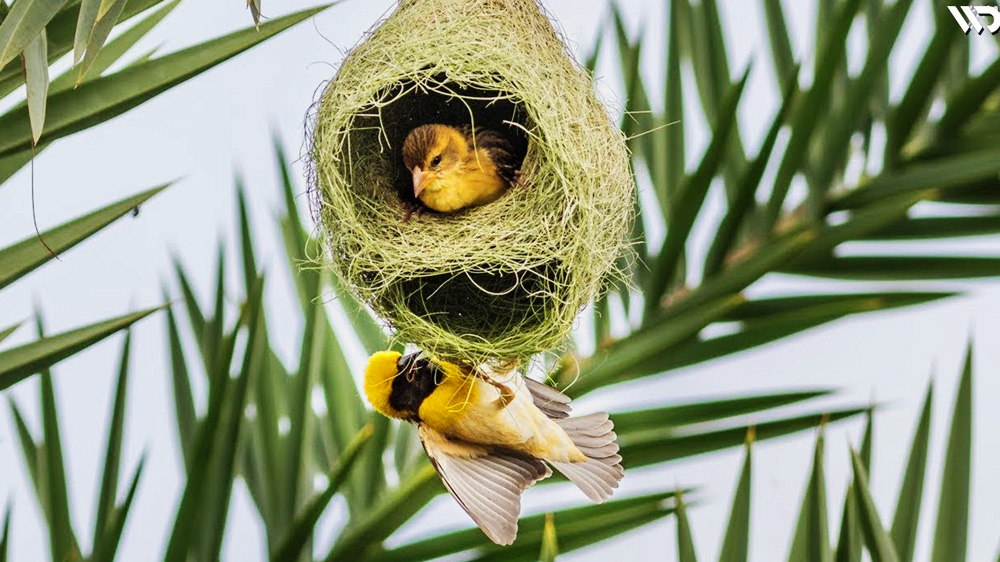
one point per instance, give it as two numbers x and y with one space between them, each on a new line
433 153
396 385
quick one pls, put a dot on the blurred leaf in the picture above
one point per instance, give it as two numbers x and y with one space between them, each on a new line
850 541
226 437
21 362
843 124
5 538
919 93
647 447
31 452
578 527
671 180
290 547
709 410
911 491
62 540
829 59
36 77
685 543
938 174
692 198
550 544
195 315
878 541
23 24
781 46
858 302
393 510
811 540
619 361
952 529
215 443
101 99
736 542
20 259
296 482
968 100
936 228
113 451
7 332
181 384
106 546
746 189
899 268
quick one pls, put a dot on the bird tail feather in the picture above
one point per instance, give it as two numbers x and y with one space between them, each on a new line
594 435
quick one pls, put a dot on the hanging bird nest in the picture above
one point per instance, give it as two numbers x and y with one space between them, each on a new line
504 280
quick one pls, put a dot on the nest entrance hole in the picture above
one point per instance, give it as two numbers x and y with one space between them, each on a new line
408 105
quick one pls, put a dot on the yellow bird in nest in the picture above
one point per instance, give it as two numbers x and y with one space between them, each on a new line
458 167
490 439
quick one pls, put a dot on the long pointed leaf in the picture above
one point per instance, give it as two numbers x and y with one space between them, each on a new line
736 542
5 537
210 448
181 384
952 528
24 22
112 454
911 490
36 77
683 215
685 542
62 540
878 541
21 362
811 541
106 548
7 332
20 259
300 530
107 97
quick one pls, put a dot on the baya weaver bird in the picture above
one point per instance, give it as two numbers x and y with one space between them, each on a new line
490 439
459 167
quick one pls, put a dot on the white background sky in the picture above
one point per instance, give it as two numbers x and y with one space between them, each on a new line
221 123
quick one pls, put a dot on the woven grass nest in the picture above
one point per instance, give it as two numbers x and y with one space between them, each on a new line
497 282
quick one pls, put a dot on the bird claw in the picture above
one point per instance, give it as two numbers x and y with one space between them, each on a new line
518 178
410 208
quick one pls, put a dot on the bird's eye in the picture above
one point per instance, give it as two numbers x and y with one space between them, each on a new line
436 161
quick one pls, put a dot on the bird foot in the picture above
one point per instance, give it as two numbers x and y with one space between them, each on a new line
411 208
518 178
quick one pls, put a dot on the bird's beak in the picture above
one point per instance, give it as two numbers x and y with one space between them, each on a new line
419 180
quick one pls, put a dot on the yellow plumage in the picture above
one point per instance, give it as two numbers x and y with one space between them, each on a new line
454 168
480 430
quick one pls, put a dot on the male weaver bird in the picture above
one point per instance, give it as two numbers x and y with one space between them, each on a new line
490 439
454 169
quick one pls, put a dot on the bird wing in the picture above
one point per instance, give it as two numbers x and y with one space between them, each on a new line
550 401
486 482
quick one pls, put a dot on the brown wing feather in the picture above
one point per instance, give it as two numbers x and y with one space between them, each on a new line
487 483
499 149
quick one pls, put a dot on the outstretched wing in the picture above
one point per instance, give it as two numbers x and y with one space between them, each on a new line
550 401
486 483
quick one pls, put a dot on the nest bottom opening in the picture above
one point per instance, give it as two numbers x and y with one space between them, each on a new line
488 307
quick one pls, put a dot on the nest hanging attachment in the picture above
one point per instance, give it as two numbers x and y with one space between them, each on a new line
504 280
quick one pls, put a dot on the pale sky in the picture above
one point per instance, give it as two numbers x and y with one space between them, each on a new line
220 123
